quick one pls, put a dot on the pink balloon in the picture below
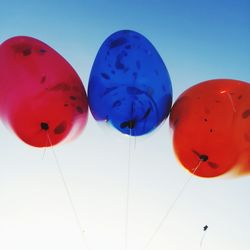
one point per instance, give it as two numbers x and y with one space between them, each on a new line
42 98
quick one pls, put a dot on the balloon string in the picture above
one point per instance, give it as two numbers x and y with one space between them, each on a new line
44 150
135 142
171 207
68 193
202 238
128 192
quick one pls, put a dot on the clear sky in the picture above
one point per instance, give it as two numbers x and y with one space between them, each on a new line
198 40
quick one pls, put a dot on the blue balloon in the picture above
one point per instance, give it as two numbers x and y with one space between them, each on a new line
129 85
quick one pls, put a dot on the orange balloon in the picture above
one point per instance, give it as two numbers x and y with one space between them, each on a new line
202 120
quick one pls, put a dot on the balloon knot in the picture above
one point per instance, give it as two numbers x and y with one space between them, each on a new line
128 124
203 157
44 126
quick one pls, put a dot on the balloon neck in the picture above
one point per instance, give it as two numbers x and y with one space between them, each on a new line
44 126
128 124
203 157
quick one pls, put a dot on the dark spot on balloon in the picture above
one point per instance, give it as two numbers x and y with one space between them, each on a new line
42 51
203 157
240 96
147 113
123 124
105 76
128 46
246 114
126 70
26 52
211 130
108 90
128 124
60 128
60 86
138 64
205 120
116 104
118 42
72 97
66 104
44 126
43 79
212 164
113 72
125 53
198 97
118 64
196 153
79 109
134 91
217 101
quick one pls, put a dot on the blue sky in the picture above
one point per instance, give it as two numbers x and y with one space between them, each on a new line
198 40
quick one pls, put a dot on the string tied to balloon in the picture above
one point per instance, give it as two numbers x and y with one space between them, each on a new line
66 187
204 234
126 231
203 158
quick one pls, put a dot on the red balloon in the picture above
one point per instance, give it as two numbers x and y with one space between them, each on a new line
203 123
42 98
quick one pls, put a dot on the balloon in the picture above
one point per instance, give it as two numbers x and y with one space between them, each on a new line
203 120
42 98
129 85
